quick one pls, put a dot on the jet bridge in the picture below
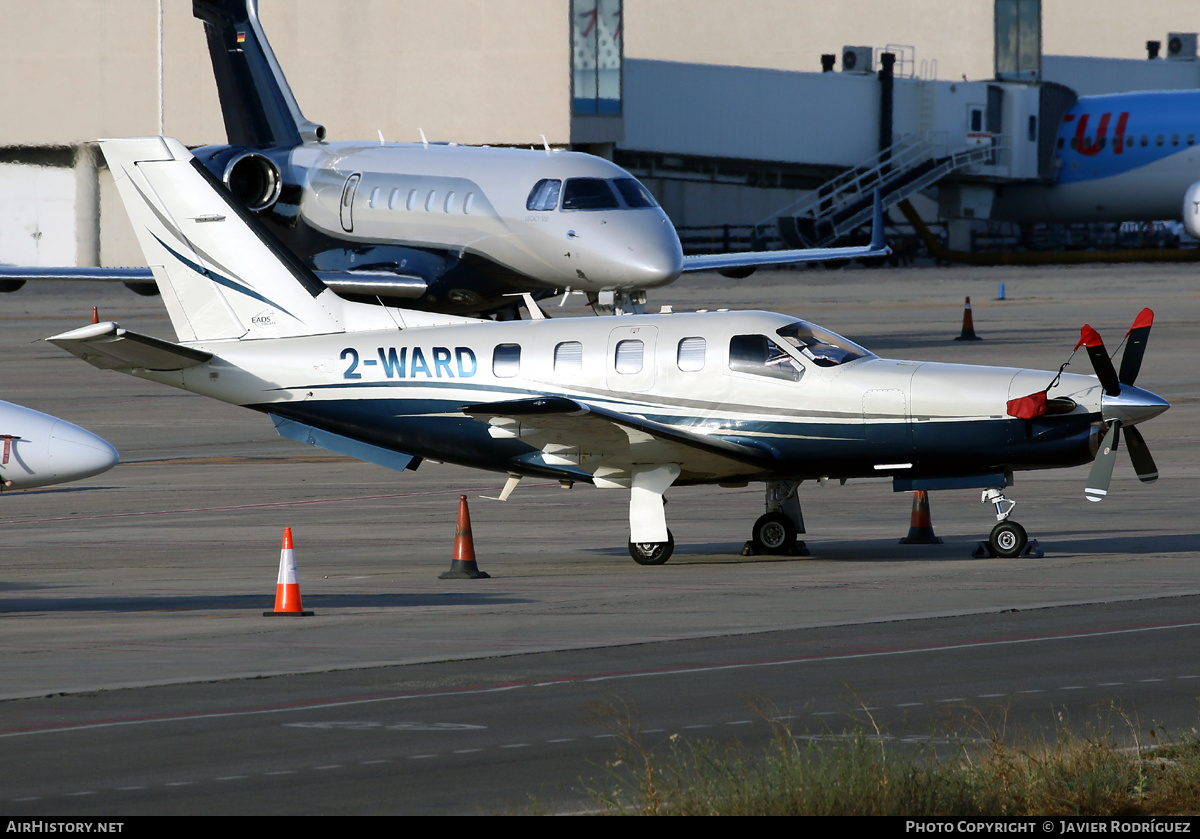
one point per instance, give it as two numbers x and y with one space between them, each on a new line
746 146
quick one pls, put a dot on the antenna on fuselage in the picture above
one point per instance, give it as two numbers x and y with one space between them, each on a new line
545 144
380 130
424 142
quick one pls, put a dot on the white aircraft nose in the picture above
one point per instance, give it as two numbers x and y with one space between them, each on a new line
652 255
75 453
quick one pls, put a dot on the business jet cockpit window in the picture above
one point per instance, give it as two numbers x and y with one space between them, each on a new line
544 195
635 195
822 347
589 194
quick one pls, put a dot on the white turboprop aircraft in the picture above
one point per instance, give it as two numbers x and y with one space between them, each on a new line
40 450
642 402
438 227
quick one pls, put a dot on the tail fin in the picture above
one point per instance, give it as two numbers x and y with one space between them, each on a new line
256 102
222 275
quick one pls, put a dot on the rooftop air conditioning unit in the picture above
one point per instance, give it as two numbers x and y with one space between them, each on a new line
857 60
1181 46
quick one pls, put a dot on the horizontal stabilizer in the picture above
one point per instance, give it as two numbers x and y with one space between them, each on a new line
302 433
109 347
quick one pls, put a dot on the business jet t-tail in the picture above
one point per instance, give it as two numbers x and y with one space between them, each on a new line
641 403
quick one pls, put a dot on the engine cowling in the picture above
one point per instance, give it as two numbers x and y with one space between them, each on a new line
254 179
1191 210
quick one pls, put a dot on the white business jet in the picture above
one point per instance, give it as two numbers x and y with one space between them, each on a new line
640 403
433 226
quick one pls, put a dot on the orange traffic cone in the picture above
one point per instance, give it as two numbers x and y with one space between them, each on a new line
95 314
287 590
920 530
462 565
968 327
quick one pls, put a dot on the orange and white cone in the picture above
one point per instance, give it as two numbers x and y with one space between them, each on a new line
463 565
968 327
287 590
920 530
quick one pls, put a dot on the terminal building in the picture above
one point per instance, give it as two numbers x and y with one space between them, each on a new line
732 115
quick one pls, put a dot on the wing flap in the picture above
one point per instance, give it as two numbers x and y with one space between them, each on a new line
598 440
109 347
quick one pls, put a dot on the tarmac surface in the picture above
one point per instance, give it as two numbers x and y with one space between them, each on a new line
157 572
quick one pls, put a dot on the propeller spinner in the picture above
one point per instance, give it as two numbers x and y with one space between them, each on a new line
1122 405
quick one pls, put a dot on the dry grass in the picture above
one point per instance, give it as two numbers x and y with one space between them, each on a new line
866 773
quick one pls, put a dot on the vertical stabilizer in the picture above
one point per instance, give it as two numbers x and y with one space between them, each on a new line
256 102
221 274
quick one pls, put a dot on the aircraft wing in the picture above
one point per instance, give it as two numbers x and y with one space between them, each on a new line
755 259
109 347
72 272
370 283
607 443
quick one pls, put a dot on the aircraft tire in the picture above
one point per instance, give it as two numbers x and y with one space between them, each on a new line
652 553
774 533
1008 539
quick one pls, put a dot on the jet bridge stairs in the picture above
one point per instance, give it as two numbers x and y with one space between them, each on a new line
844 204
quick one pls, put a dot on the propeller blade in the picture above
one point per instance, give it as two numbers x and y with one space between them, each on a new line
1101 363
1139 453
1102 469
1135 347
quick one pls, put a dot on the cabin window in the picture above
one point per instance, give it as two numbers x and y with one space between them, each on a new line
588 194
628 358
1159 141
506 361
761 356
394 199
411 204
1145 141
430 200
373 201
1060 143
544 195
449 205
467 202
635 195
568 358
1174 139
1074 143
1191 139
690 355
1129 142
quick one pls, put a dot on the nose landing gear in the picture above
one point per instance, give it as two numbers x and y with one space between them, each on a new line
1008 538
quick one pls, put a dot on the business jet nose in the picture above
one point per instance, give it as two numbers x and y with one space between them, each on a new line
654 256
75 453
1132 405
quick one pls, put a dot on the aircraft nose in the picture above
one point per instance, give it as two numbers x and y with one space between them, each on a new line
75 453
1132 405
652 255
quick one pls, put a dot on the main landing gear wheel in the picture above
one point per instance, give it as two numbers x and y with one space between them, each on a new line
652 553
1008 539
774 533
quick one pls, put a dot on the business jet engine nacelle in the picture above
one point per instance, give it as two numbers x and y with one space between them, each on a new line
39 450
249 174
1191 210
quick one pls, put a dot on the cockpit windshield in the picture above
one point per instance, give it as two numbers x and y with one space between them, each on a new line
588 194
822 347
